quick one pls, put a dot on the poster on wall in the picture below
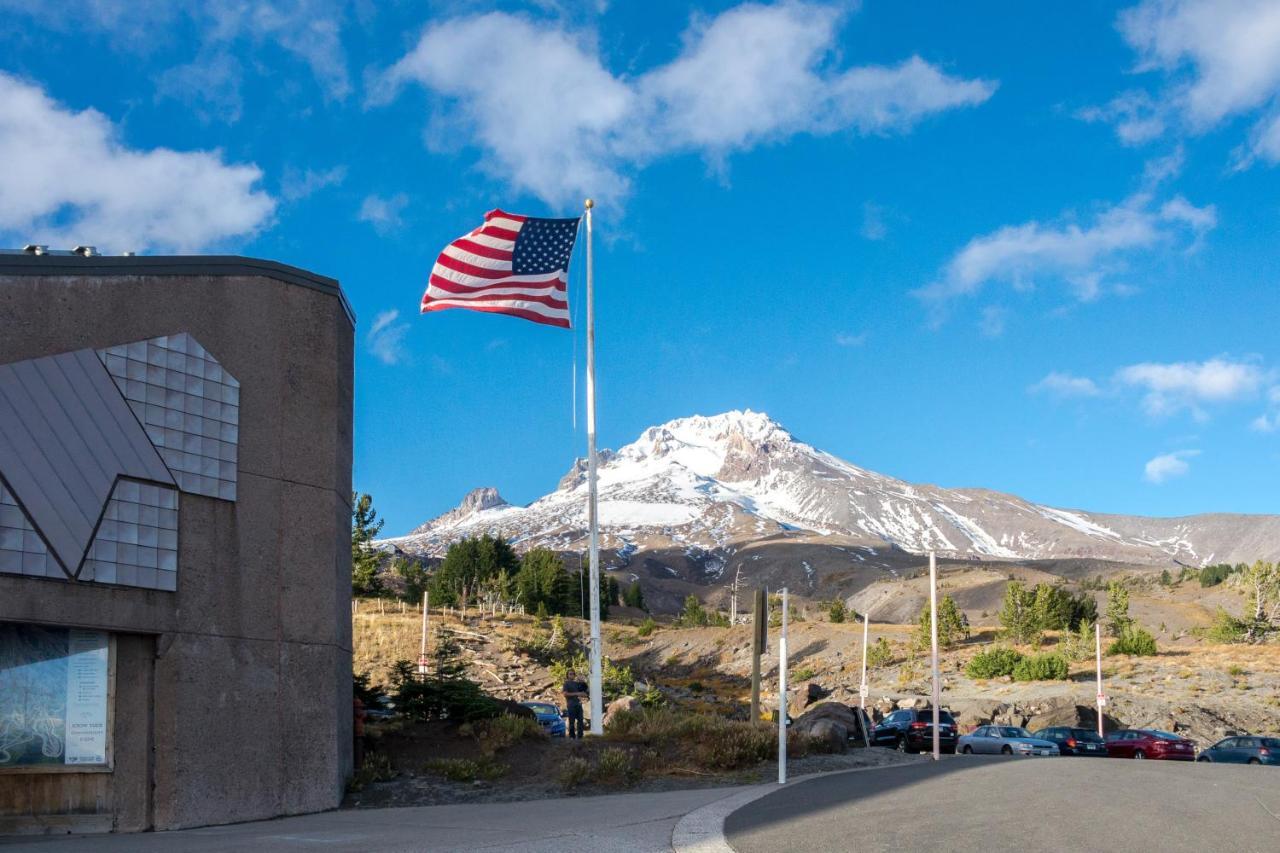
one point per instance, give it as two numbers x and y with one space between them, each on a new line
86 714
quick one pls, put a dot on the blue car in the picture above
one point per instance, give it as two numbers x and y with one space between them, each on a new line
548 717
1244 750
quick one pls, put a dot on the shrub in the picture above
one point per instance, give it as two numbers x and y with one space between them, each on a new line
706 741
1077 645
614 767
466 770
1235 670
879 654
1133 641
1227 629
804 673
836 611
502 731
1047 667
1216 574
993 663
647 627
574 771
376 768
616 679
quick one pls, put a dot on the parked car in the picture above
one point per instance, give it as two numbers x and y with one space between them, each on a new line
1004 740
1150 743
1071 741
1246 749
912 731
548 717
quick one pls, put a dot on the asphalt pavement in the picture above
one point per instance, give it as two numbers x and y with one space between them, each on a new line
990 804
630 823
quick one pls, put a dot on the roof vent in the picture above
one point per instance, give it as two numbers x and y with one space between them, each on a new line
35 249
86 251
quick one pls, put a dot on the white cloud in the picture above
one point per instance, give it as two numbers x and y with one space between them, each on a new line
1135 115
309 31
1265 422
383 213
554 121
385 338
873 224
844 339
1221 58
295 185
1168 465
68 178
1066 385
1082 257
1171 387
993 320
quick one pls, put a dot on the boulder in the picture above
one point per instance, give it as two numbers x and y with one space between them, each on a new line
831 734
623 703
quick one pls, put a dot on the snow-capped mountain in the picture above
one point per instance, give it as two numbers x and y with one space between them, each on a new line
688 496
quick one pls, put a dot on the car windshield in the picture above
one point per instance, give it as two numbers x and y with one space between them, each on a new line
927 717
1012 731
1086 736
542 708
1164 735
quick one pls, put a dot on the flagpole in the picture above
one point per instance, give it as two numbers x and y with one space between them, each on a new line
595 686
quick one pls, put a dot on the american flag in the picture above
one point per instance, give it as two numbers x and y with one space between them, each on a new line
511 264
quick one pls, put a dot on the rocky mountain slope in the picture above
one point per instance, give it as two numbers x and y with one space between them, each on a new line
696 499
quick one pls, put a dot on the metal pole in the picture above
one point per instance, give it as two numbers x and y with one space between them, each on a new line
862 688
759 625
597 698
933 632
782 695
1102 698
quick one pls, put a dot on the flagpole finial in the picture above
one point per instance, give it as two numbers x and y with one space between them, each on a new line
588 204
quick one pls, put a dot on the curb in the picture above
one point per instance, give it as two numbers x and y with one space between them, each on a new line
702 830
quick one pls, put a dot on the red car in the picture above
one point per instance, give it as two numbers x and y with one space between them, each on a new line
1149 743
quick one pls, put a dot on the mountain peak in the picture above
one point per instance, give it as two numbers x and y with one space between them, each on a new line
475 501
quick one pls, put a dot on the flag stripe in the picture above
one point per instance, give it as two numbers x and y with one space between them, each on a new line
558 319
442 287
458 253
440 271
551 300
484 250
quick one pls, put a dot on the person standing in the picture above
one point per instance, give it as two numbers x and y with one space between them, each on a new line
574 691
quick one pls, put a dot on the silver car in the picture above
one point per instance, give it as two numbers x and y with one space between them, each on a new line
1004 740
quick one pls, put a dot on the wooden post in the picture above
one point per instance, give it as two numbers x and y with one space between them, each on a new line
758 629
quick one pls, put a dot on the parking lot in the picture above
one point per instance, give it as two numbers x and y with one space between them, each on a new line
979 803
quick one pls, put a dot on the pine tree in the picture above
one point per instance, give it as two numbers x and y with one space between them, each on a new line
836 611
414 577
952 625
365 525
469 563
634 597
1017 615
1117 609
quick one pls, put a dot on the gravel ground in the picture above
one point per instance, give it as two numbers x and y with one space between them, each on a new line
420 790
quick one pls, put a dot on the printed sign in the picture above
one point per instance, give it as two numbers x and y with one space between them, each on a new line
86 726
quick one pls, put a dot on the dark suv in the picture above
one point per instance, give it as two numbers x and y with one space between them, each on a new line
912 731
1072 741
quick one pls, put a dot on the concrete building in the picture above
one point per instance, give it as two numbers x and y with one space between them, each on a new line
175 575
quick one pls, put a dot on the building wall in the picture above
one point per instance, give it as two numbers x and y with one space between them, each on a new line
233 694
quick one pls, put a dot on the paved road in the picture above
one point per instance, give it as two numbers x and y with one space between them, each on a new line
971 803
635 823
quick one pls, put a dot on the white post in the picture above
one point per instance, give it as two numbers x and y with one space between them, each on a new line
933 632
422 654
1102 698
782 695
863 690
595 687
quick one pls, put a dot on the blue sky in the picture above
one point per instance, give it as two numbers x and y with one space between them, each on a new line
1018 246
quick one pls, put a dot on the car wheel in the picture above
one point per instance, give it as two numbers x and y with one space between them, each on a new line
968 750
902 744
1254 761
1006 750
1206 759
1137 753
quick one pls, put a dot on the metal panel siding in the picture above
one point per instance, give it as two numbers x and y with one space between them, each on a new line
65 436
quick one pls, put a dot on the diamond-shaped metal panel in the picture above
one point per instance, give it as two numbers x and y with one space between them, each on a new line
189 406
